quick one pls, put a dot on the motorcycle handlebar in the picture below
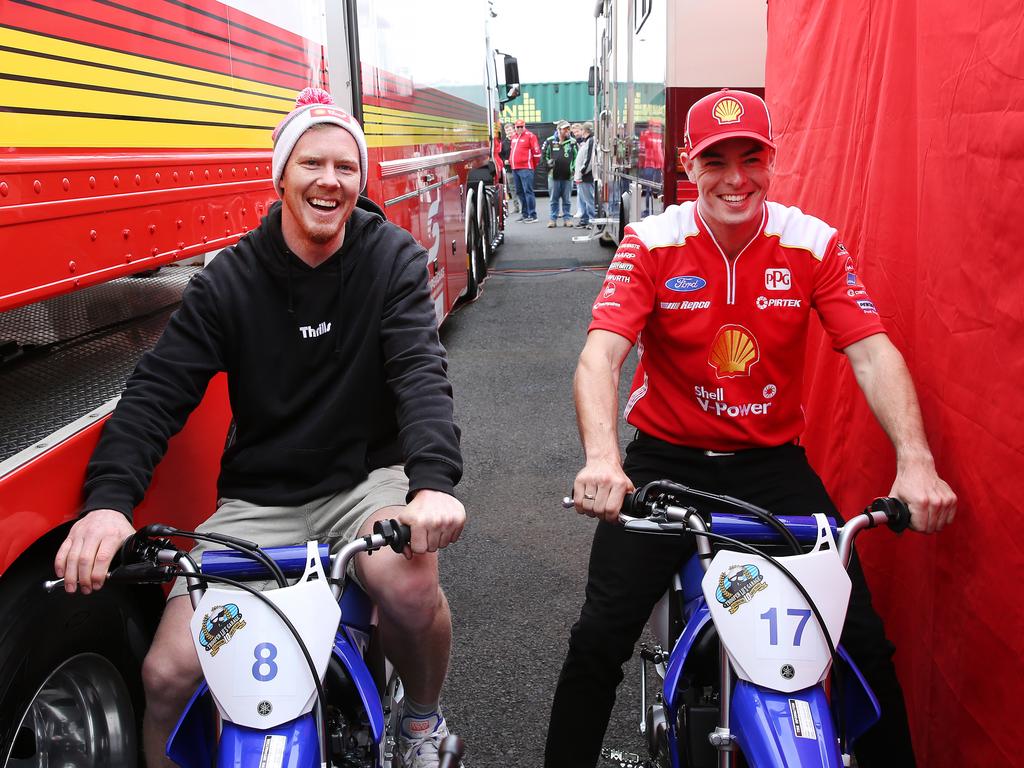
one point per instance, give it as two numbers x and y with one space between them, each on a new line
645 501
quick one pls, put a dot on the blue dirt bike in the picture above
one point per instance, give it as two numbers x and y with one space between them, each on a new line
752 637
292 676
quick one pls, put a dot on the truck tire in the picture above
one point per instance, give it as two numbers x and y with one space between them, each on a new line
475 265
70 687
486 230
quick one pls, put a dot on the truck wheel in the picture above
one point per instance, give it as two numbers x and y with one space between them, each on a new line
70 691
487 232
475 267
625 200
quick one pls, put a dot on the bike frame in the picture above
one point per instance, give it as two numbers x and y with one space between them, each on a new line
770 727
195 743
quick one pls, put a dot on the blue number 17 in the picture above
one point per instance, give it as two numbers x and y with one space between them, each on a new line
773 629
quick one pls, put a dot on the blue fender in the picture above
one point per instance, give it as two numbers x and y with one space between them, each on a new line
699 619
775 730
194 739
674 672
347 653
296 743
193 742
861 708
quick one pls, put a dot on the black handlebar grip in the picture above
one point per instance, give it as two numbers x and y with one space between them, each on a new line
450 752
142 573
396 534
897 513
133 550
631 503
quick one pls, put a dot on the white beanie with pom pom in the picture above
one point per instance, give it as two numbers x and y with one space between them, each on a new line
313 107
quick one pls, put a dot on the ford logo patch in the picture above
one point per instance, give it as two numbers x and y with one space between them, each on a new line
685 283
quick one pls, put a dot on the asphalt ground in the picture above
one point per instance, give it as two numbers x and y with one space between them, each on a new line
515 579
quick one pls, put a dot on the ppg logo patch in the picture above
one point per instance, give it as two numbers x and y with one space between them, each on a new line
777 279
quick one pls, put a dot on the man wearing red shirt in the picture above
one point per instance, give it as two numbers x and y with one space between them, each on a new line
652 161
717 296
525 153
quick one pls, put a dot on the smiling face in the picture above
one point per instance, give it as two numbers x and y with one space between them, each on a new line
320 186
732 178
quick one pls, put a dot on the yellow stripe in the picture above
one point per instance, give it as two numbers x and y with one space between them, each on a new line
28 130
405 141
89 53
387 115
57 131
387 127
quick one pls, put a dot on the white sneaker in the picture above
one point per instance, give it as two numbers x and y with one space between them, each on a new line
419 740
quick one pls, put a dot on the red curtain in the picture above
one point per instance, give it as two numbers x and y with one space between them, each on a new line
901 122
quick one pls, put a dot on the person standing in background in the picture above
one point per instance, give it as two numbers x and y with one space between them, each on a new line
504 155
652 161
584 174
560 156
576 131
524 154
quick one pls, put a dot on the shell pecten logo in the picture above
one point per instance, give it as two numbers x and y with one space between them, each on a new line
727 110
733 352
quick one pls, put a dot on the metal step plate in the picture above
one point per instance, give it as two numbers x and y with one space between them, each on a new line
79 350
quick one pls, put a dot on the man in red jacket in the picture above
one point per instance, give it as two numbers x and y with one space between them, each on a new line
525 153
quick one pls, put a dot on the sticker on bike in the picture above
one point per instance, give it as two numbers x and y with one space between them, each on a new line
219 626
738 585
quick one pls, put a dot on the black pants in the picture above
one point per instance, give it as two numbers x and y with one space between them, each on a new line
629 572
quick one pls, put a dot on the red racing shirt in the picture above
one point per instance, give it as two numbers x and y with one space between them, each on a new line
722 342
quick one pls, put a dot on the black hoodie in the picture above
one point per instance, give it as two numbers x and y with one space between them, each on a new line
330 374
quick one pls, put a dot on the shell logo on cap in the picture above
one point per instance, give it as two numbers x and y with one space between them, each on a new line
733 351
727 110
330 112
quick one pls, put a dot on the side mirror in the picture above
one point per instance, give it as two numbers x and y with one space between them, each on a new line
511 71
593 78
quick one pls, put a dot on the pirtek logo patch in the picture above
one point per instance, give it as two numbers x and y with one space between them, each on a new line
309 332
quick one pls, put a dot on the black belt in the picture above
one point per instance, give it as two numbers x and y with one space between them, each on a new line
707 453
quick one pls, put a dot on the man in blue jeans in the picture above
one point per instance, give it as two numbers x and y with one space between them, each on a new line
584 174
560 157
524 156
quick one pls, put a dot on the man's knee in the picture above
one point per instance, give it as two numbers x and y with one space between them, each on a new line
408 591
171 671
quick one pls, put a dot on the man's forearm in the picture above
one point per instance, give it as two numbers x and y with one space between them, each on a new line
596 389
889 389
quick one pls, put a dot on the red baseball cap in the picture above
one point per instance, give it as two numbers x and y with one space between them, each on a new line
726 114
520 121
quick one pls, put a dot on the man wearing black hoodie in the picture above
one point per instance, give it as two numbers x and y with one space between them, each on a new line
323 321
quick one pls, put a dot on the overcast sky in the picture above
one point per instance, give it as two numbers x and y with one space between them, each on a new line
552 39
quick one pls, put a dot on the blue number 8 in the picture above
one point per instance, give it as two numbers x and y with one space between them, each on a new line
265 654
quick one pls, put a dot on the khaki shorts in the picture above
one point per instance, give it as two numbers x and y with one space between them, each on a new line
332 519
